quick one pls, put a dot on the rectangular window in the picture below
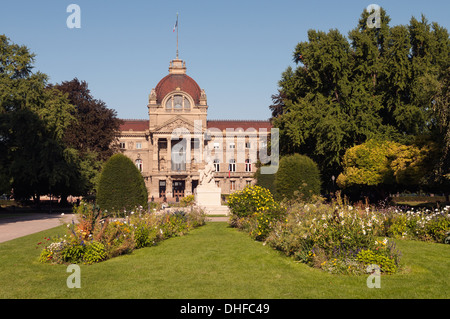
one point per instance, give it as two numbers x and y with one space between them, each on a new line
232 165
122 145
248 165
232 185
217 165
248 145
232 146
138 146
216 146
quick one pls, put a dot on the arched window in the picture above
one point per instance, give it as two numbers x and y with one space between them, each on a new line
178 102
169 104
139 164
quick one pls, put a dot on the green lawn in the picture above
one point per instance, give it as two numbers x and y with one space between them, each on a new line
214 261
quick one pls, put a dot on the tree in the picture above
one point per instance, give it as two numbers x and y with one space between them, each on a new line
378 166
297 173
121 185
93 134
96 126
32 122
379 83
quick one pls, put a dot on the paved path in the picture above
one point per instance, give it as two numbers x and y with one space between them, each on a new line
25 224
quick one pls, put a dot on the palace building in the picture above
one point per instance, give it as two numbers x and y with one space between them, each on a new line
177 140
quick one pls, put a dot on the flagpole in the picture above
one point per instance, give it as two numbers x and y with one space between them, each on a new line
177 35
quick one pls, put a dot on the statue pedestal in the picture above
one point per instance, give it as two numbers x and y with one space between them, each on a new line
208 197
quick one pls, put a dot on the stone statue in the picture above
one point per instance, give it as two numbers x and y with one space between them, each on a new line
207 175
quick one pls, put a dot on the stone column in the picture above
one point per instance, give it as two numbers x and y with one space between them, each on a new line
155 164
188 186
169 187
169 155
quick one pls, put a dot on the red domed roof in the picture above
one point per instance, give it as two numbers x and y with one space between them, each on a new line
170 82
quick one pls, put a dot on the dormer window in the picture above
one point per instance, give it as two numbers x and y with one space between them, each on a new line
178 102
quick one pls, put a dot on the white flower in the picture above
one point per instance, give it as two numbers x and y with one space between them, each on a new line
350 207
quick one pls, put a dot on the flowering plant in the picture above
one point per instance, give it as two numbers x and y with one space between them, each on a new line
97 236
255 210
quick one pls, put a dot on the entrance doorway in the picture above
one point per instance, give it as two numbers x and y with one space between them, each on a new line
162 189
178 188
194 185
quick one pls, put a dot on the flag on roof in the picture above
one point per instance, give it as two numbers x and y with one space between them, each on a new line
176 24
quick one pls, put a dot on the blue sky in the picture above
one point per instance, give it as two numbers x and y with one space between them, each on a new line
235 50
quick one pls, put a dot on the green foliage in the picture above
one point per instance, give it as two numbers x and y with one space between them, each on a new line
144 236
254 210
188 200
369 257
265 180
121 185
388 83
94 252
73 252
98 237
250 200
297 175
48 124
329 237
422 224
377 162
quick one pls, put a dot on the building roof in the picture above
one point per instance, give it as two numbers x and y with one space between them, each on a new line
134 125
143 125
172 81
234 124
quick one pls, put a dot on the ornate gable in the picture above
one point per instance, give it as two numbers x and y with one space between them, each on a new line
176 122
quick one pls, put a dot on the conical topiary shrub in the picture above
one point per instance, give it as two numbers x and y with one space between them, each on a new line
297 173
121 185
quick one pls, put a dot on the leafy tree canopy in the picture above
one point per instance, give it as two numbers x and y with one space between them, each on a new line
389 83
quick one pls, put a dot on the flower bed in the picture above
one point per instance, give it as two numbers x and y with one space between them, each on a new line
336 237
419 224
97 236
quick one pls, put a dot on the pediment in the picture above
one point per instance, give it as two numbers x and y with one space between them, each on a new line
177 122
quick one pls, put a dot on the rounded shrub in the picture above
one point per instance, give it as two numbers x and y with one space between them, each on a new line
297 173
121 185
265 180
